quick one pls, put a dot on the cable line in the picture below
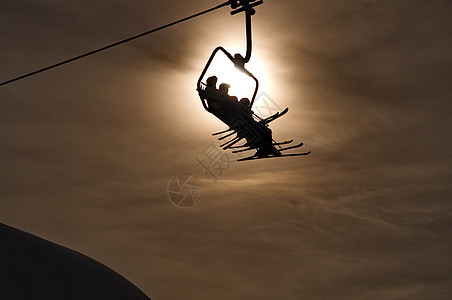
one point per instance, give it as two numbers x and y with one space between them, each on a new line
116 44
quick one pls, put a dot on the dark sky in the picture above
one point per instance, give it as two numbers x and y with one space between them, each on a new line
87 149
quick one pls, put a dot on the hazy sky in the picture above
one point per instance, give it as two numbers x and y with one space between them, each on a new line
87 149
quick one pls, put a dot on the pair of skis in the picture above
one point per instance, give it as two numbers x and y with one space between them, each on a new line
257 155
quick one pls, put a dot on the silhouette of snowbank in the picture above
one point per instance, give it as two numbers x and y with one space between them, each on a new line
33 268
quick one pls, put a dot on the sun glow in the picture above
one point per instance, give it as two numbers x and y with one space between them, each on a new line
241 84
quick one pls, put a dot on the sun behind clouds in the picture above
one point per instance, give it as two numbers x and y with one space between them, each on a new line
241 84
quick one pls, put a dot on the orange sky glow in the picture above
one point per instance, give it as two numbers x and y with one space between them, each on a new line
88 149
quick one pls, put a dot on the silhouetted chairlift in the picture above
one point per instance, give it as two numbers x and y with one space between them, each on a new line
241 120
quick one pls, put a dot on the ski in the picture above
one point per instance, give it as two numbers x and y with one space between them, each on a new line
230 143
237 147
243 150
272 156
225 136
291 147
282 143
224 131
276 116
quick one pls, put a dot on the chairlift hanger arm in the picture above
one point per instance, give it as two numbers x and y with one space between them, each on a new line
249 40
247 7
238 60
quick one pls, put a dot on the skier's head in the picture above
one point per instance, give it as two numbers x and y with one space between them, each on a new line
224 87
245 102
212 81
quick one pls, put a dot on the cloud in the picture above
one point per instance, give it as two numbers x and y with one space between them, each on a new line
88 149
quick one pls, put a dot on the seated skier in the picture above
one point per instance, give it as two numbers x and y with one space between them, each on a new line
245 106
222 105
212 94
224 88
231 106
